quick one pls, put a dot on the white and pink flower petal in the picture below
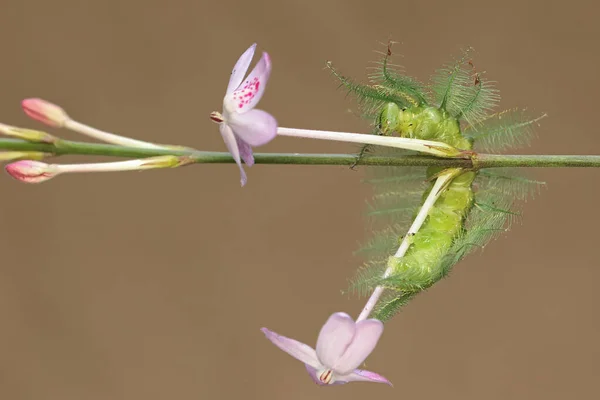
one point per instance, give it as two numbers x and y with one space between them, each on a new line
256 127
240 69
251 90
296 349
245 152
335 337
231 143
366 336
360 375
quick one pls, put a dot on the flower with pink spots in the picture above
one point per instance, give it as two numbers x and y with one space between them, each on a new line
242 126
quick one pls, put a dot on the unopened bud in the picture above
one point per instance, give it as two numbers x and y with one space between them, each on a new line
22 155
27 134
31 171
165 162
46 112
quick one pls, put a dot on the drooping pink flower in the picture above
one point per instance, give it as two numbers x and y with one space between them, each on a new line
241 125
342 346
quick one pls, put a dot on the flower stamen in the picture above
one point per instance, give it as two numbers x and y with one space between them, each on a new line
326 376
216 116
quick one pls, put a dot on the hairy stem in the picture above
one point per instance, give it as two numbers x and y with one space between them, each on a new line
65 147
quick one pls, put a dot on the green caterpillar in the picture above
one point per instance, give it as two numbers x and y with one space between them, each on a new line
455 109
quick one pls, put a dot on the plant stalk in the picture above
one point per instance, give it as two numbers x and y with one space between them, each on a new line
65 147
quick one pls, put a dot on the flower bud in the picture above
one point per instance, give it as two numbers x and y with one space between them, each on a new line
29 135
21 155
45 112
31 171
165 162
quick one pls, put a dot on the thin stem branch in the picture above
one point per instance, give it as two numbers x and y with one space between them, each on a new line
129 165
107 136
439 149
65 147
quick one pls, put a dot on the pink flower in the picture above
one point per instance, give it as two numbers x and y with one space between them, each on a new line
342 346
242 126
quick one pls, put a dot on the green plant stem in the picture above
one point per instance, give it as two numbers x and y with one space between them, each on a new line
64 147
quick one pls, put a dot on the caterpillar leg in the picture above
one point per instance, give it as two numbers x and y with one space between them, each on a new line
363 150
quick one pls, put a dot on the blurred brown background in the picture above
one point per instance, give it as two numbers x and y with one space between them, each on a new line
154 285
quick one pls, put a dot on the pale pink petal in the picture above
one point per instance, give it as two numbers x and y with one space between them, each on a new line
299 351
249 93
312 372
240 69
256 127
232 146
335 337
365 339
245 152
360 375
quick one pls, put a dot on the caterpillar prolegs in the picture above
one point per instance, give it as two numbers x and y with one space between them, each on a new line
455 108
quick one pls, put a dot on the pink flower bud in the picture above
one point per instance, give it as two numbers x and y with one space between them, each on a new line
30 171
46 112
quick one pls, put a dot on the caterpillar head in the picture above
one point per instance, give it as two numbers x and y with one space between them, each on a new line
393 119
388 119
